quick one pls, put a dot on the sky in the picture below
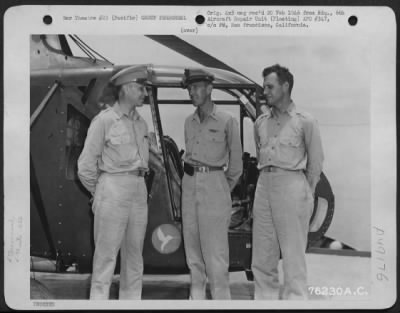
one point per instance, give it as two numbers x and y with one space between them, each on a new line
331 81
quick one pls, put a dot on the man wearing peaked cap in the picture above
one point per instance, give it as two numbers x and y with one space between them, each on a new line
212 143
112 166
137 74
195 75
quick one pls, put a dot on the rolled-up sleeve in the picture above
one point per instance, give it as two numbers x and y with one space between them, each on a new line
235 165
315 155
88 169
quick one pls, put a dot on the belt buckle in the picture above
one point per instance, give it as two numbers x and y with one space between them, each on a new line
138 172
269 169
202 169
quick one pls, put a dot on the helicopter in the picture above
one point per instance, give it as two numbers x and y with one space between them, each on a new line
66 92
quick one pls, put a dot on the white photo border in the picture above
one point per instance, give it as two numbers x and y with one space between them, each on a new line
377 23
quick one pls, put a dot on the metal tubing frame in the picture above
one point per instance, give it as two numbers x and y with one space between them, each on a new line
44 102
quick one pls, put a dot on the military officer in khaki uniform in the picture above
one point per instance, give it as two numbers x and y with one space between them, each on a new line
112 167
212 143
290 157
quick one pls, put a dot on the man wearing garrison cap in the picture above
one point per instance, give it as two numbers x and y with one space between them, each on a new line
212 143
112 167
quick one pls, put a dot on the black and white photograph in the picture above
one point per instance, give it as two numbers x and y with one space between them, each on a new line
241 166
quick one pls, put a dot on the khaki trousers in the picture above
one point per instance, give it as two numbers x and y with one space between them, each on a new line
120 220
282 209
206 211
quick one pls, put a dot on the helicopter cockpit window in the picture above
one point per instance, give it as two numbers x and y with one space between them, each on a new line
77 126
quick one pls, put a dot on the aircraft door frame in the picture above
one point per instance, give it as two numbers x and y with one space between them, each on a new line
155 111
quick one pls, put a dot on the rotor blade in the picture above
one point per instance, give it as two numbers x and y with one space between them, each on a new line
186 49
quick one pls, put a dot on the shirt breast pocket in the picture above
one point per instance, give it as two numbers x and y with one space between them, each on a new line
121 144
119 139
290 148
215 146
118 134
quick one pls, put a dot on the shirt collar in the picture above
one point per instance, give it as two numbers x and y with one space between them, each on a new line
120 112
136 115
291 110
213 114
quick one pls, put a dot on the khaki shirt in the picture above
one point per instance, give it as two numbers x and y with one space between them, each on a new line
291 141
115 143
214 142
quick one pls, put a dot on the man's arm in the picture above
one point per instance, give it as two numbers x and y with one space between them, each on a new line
315 155
184 158
88 170
256 140
235 166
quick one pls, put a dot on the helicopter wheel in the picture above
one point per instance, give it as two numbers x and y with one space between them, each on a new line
322 215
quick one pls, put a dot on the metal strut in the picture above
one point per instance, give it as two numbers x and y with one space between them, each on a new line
35 188
44 102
